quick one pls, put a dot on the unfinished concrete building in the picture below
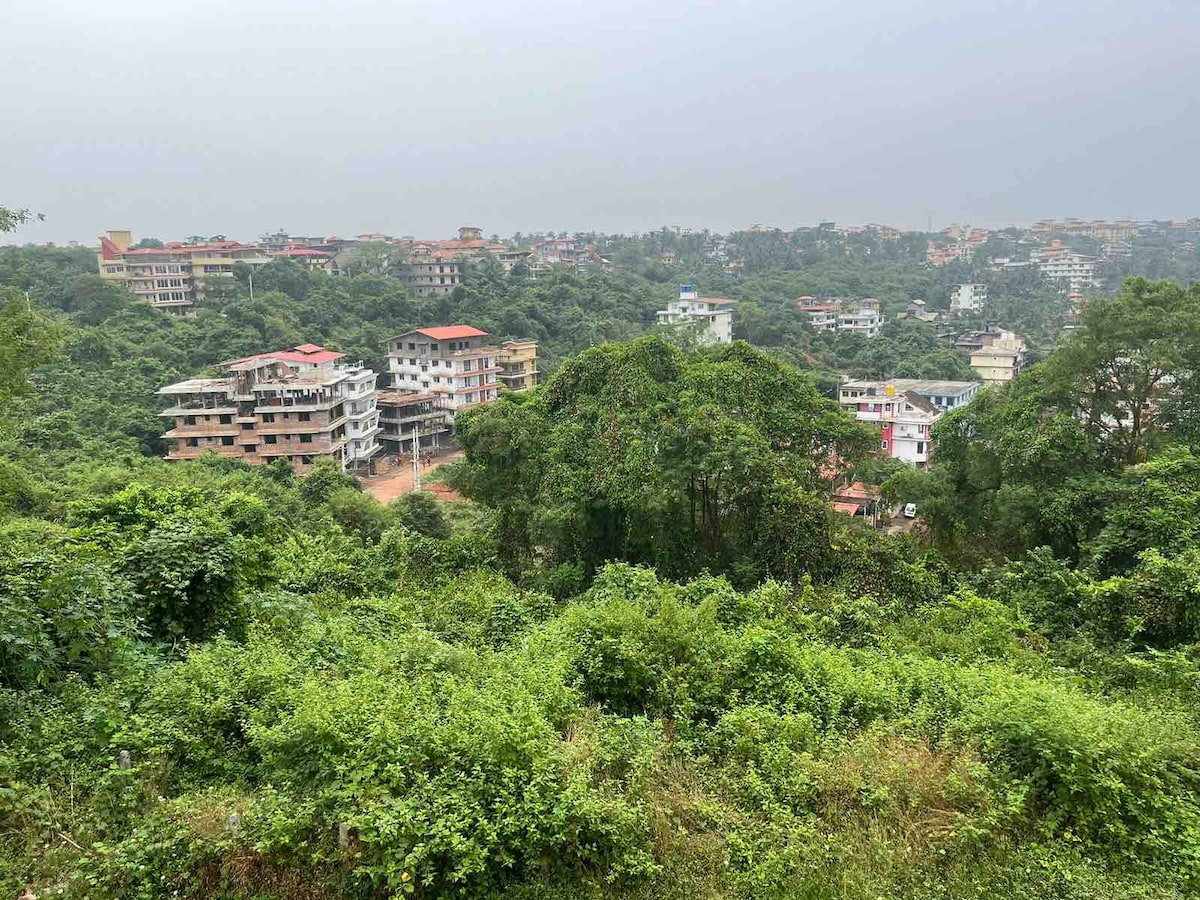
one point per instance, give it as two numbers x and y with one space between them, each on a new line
297 404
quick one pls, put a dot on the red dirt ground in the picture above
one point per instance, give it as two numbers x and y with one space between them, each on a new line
389 485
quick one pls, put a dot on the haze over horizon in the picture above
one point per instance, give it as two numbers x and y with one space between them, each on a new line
173 118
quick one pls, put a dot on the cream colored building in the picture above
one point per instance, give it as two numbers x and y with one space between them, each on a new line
518 365
173 277
1000 358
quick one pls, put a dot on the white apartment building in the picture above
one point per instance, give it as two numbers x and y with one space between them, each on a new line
904 419
1072 271
449 361
968 298
866 320
711 317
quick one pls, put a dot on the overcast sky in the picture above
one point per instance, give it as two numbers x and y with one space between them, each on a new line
179 117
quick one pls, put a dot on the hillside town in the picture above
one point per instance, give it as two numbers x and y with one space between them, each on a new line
306 402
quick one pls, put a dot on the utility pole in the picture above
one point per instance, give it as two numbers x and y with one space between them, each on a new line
416 456
250 275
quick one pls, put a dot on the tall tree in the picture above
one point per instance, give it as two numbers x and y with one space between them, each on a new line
1123 373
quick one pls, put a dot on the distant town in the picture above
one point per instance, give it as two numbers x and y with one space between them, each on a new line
304 402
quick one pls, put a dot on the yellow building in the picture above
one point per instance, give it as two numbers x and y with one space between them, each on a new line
171 277
996 365
518 365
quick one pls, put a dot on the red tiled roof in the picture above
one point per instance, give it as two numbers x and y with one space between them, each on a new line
108 250
717 301
312 354
450 332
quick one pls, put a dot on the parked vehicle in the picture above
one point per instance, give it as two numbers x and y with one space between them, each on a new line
910 510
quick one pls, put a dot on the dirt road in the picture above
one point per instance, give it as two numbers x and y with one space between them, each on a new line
387 487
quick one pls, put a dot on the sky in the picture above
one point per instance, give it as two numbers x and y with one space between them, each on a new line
238 117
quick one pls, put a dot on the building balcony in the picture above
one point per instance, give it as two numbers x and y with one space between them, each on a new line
292 448
315 426
211 430
201 408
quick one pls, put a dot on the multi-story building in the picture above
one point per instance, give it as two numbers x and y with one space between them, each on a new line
968 298
943 254
999 355
903 418
867 319
945 396
997 365
405 416
281 240
863 317
313 260
1120 230
176 276
556 252
297 404
822 314
518 365
904 410
427 276
1071 270
449 361
710 317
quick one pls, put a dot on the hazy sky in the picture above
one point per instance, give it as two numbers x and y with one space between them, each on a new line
178 117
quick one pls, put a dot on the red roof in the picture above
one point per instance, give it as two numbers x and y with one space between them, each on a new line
717 301
312 354
108 250
450 332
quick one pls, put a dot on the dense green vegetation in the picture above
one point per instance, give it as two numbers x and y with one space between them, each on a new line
645 659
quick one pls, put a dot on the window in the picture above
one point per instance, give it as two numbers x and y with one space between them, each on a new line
433 346
306 438
305 417
189 420
191 442
920 446
412 346
247 426
307 460
227 441
268 417
884 445
225 419
270 438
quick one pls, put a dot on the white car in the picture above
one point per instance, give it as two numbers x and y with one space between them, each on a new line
910 510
